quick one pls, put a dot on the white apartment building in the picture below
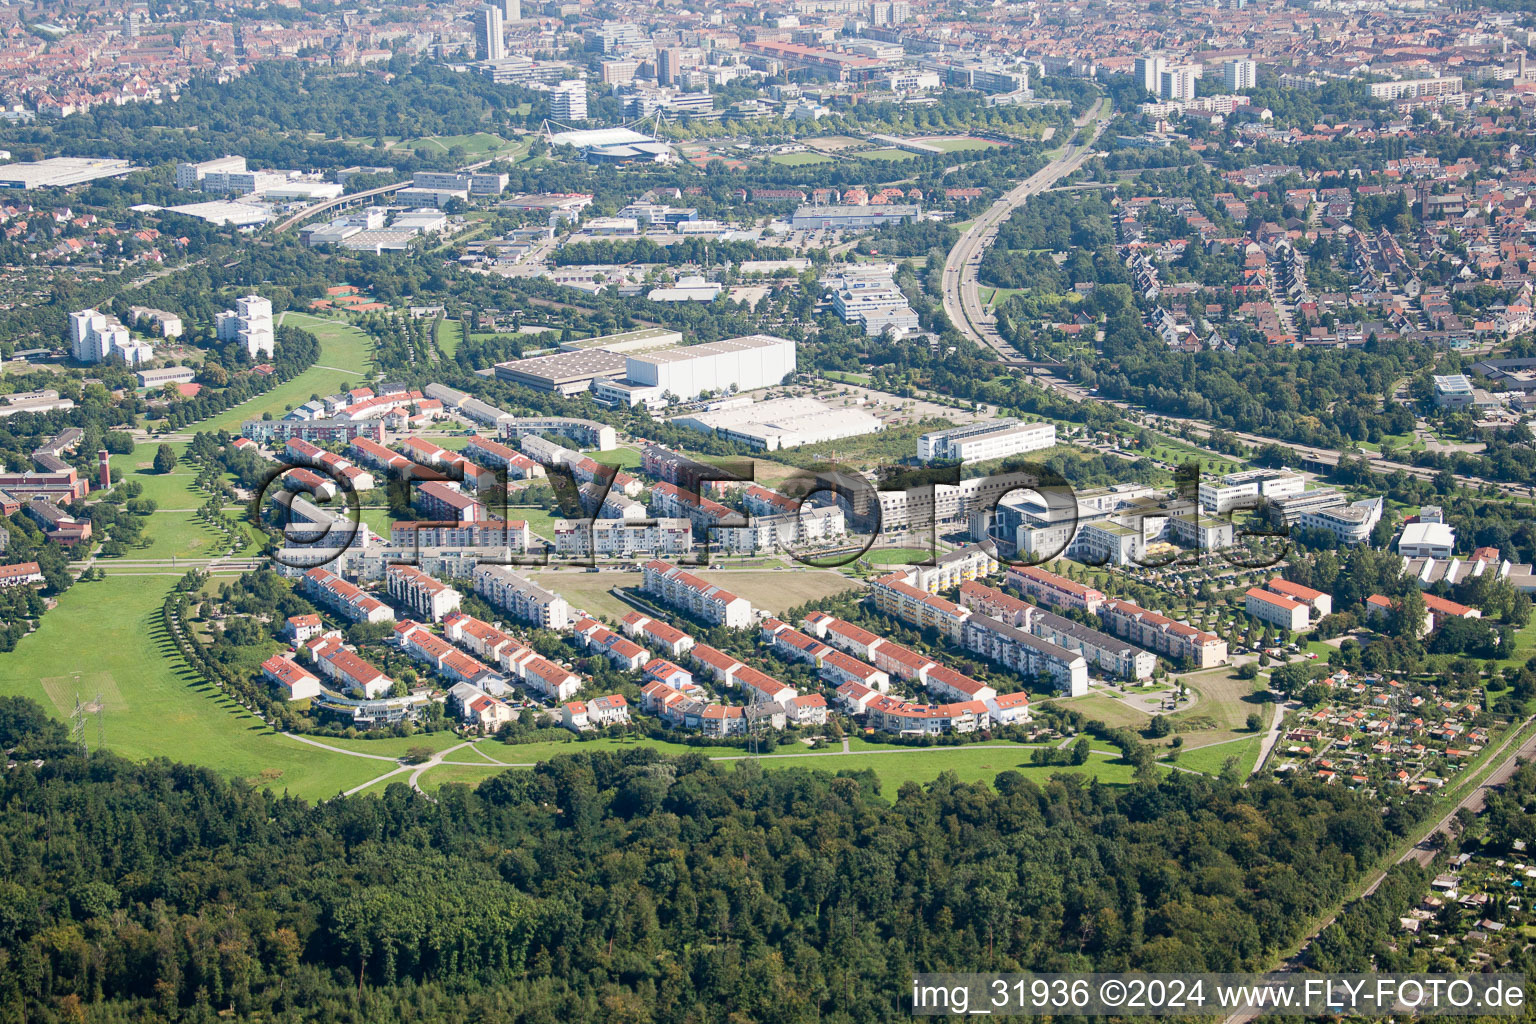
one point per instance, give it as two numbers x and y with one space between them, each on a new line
490 34
249 323
980 442
95 336
1276 609
522 599
622 538
1178 82
427 598
568 101
1239 74
1149 71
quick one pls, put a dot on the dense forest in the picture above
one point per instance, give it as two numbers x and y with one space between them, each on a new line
627 887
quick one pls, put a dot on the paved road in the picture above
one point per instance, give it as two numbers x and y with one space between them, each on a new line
962 300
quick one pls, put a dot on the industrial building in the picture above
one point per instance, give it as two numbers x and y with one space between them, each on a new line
782 423
738 364
980 442
61 172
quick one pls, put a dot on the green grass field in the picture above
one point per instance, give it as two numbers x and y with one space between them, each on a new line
171 490
624 458
540 521
800 159
449 334
1212 759
346 355
897 556
106 638
479 146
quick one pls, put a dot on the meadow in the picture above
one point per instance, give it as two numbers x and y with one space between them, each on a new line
345 359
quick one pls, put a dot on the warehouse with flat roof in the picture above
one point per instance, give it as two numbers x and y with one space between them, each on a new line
738 364
564 373
61 172
783 423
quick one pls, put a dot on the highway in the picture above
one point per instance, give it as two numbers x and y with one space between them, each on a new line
962 299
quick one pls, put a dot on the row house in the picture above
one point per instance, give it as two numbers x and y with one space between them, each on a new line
372 453
588 470
524 600
20 574
838 668
306 453
1166 636
293 681
669 674
681 589
791 644
895 660
657 635
625 655
671 501
1114 656
439 499
482 639
513 658
1321 604
597 713
891 714
349 672
335 594
514 463
426 597
478 708
845 636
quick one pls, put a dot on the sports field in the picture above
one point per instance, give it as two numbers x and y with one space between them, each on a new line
449 334
959 143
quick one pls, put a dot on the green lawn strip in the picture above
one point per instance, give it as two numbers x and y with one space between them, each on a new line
449 334
345 353
106 637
